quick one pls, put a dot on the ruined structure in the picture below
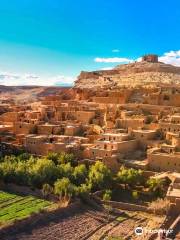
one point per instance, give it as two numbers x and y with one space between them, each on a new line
153 58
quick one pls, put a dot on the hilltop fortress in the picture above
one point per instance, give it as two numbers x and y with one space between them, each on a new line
149 72
147 82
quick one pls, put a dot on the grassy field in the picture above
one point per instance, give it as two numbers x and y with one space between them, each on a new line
15 207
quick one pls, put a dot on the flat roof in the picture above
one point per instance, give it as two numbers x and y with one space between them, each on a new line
48 125
59 143
168 146
175 116
106 141
2 126
144 130
115 134
36 136
175 154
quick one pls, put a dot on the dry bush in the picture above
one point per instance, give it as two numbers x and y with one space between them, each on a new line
160 206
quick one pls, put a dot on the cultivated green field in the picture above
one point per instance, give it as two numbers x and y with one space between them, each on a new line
15 207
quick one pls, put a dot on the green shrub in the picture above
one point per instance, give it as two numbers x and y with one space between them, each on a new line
107 195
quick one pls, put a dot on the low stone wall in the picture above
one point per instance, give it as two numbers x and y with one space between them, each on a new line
175 207
127 206
24 190
98 193
148 174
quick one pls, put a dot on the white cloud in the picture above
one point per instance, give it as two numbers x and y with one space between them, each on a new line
113 60
107 68
31 76
115 50
11 79
5 75
139 59
173 54
171 57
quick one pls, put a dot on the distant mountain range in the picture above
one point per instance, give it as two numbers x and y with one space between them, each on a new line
30 93
64 84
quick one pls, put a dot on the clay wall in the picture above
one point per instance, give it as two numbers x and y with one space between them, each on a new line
39 148
9 117
144 135
169 127
164 162
84 116
23 128
127 146
112 163
48 129
133 123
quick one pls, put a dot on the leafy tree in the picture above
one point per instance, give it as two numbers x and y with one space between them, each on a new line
66 158
83 190
135 195
99 176
8 168
80 174
64 188
53 156
42 171
21 173
65 170
107 195
156 186
130 177
46 189
23 157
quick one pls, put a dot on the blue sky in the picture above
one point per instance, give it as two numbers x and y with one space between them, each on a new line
50 41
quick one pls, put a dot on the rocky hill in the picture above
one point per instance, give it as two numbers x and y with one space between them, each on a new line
146 73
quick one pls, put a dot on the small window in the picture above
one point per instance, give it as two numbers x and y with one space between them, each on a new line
166 98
